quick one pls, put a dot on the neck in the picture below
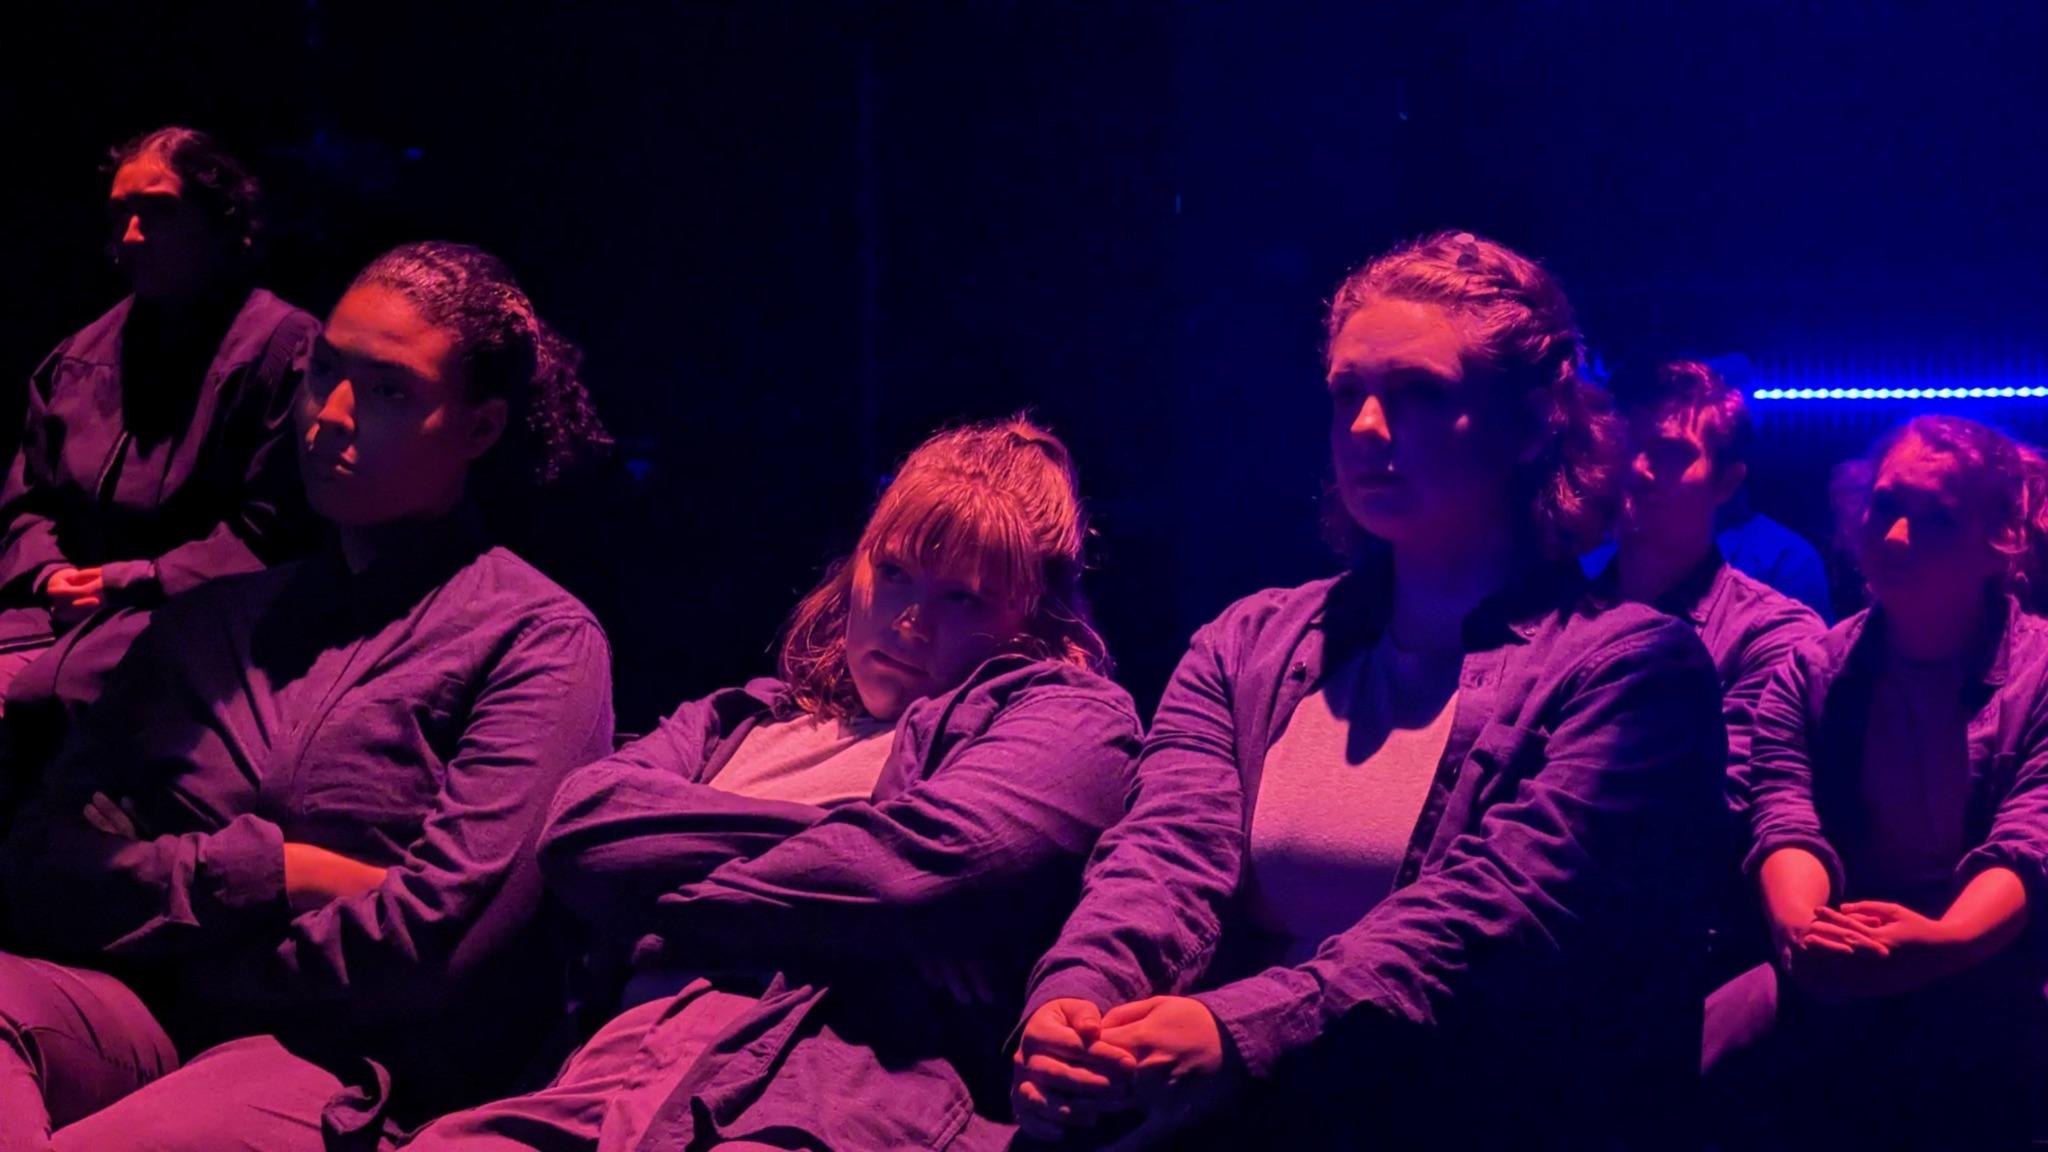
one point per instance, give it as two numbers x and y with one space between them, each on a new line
365 544
1937 630
1648 570
202 301
1433 593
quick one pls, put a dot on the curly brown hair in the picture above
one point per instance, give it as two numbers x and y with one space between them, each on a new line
1000 494
508 352
1525 341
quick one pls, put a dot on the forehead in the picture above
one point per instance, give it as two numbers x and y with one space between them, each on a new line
376 323
146 175
1386 336
1914 465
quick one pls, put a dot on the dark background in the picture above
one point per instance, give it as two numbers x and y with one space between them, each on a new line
795 238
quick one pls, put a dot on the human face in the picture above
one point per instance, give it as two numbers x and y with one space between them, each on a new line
161 240
913 632
1674 489
1922 542
386 429
1424 455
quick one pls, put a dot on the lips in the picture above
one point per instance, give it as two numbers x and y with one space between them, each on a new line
329 468
898 663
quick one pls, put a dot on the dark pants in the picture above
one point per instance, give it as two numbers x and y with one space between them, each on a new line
72 1042
1954 1065
608 1091
81 1054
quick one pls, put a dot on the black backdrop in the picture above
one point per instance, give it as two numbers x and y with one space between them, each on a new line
794 237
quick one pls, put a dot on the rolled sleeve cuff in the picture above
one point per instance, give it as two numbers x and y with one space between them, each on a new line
2025 862
1263 1018
131 581
1818 846
241 870
1074 984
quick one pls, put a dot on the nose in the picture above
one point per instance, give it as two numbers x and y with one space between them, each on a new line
133 233
336 411
1371 420
1641 466
906 622
1898 535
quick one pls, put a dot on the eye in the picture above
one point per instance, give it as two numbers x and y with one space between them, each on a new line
964 598
890 572
386 390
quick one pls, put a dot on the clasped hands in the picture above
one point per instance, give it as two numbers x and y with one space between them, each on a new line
1865 948
1075 1064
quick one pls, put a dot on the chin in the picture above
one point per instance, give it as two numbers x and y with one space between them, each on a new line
1387 526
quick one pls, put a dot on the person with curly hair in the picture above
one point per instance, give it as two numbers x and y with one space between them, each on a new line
1420 855
293 845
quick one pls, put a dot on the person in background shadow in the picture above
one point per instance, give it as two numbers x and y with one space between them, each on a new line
1688 445
157 453
292 847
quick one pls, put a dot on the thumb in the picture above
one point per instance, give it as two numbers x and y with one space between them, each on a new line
1086 1021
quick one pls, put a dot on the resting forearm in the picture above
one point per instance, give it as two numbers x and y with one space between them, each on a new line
1794 883
1989 915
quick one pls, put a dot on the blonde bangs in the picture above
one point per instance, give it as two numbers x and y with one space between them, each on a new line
955 528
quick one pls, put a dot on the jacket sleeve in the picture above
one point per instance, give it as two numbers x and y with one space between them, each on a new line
1772 644
468 885
28 543
1782 812
625 830
1027 797
1154 895
1631 768
2018 838
73 891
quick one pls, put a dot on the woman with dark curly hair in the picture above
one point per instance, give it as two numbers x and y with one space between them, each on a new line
1419 854
157 453
295 840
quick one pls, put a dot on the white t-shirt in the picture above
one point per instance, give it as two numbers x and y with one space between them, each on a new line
1342 790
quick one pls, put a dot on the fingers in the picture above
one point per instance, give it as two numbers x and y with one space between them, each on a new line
1877 910
1083 1018
108 817
1848 929
1047 1115
86 575
1126 1014
1072 1079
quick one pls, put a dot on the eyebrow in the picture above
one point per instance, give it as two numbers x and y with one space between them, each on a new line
321 343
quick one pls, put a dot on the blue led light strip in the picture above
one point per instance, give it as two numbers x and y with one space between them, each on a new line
2000 393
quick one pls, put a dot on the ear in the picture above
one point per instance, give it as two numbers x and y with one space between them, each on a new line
1727 481
486 425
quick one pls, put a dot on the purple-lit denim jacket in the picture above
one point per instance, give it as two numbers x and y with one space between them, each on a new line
1807 762
1749 629
1545 937
970 851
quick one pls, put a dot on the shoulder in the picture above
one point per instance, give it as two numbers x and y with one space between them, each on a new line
499 583
1008 682
98 342
1763 610
1250 622
268 328
1595 629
